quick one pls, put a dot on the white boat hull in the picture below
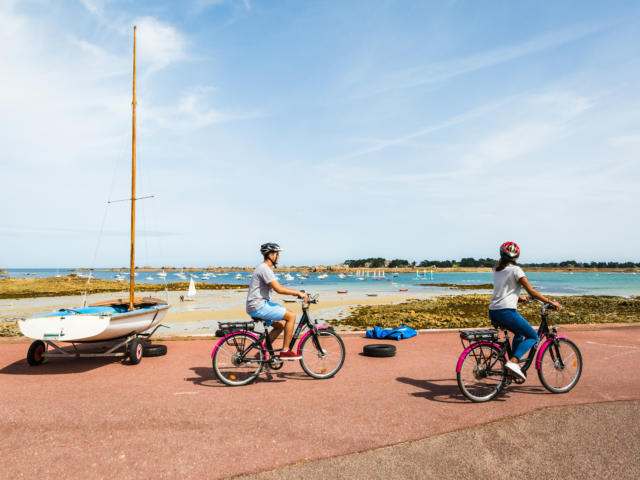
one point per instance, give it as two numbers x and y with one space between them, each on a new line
90 328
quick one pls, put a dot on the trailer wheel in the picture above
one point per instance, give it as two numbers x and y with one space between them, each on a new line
154 350
35 355
135 351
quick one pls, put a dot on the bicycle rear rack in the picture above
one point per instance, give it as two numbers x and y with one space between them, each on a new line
225 328
473 336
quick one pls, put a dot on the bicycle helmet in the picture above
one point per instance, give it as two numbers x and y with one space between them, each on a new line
267 248
509 250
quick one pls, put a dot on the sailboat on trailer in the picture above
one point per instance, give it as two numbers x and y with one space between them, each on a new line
122 319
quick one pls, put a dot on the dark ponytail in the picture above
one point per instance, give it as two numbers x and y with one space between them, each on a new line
503 262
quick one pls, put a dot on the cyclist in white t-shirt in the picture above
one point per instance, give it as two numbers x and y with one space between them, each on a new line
508 279
259 304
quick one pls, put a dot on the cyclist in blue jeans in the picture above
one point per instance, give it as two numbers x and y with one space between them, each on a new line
508 279
259 304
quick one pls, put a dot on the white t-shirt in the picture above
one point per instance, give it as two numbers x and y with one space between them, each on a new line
259 289
506 288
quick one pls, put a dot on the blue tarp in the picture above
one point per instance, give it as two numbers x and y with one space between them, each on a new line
392 334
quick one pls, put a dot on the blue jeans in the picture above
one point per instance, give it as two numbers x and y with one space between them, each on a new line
524 337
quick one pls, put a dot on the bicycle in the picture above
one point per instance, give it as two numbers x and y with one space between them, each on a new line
241 355
481 371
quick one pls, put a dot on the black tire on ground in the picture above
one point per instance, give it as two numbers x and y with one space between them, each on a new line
135 351
154 350
35 355
379 350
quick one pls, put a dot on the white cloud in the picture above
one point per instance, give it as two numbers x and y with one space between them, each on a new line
624 140
192 111
95 7
200 5
536 122
159 44
441 71
404 139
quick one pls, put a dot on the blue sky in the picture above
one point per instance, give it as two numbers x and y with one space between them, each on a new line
337 129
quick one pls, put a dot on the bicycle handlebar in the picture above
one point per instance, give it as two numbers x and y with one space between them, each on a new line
545 306
312 298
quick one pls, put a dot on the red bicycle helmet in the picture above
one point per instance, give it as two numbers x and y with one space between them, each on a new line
509 250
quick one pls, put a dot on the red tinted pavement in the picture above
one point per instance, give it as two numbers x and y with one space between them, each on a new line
169 416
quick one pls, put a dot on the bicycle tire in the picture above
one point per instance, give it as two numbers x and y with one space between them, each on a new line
231 366
326 363
558 370
473 380
379 350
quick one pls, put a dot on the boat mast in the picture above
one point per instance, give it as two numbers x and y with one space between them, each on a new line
132 274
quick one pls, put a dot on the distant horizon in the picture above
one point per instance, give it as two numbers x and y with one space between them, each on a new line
126 267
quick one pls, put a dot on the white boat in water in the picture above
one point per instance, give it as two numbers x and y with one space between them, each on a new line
124 321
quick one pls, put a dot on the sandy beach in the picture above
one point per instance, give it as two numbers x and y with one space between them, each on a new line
201 315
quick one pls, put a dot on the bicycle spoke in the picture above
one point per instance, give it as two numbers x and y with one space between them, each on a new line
236 365
482 373
326 362
561 366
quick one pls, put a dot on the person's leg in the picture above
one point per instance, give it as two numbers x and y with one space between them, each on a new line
517 340
523 339
290 319
277 330
526 335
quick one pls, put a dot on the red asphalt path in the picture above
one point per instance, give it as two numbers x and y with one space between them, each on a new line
168 417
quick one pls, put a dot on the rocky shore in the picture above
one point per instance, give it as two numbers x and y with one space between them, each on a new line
352 270
464 311
75 285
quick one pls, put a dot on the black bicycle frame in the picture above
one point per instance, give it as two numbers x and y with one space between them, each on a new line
305 321
505 349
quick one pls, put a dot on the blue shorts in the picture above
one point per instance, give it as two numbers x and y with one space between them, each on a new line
270 312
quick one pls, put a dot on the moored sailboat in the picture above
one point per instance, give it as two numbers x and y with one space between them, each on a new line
121 320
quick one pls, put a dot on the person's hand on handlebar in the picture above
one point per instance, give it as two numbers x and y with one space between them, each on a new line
556 305
303 296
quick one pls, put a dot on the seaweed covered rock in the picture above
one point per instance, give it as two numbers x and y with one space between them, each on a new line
9 329
466 311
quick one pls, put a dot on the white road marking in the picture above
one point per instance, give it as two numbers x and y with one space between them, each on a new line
185 393
617 346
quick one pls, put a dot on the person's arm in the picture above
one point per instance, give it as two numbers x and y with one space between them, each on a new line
287 291
527 286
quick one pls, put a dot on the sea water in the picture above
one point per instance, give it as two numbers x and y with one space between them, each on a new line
549 283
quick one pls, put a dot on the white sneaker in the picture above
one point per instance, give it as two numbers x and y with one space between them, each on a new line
515 368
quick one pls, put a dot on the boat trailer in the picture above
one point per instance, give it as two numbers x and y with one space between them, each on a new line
134 348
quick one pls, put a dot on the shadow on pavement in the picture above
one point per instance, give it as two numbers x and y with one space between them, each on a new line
438 390
206 378
446 390
59 366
